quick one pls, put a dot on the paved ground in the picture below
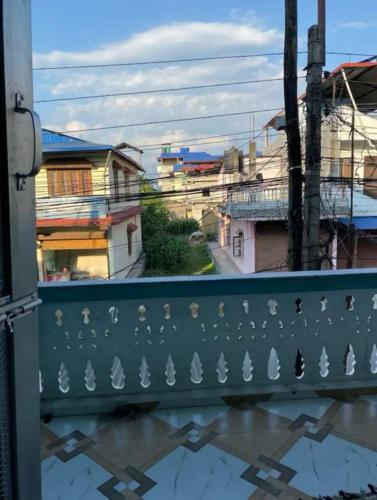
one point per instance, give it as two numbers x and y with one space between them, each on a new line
293 449
224 264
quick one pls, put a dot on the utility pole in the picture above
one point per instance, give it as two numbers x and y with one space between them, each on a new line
295 228
352 236
312 202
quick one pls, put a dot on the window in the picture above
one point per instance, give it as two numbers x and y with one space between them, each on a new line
129 242
126 178
116 169
370 176
131 228
206 192
69 181
238 245
227 230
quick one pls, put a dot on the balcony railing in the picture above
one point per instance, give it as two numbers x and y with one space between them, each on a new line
108 343
272 202
72 207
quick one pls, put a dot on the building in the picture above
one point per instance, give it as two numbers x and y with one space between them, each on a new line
253 222
88 210
189 177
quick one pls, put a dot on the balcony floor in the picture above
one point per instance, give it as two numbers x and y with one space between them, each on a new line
292 449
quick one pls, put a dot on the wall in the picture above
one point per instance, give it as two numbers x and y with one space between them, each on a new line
246 264
119 260
99 172
132 190
91 262
366 252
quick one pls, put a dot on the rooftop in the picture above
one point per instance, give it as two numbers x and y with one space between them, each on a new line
56 142
185 155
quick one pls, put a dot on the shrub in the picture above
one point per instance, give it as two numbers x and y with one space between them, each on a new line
164 252
182 226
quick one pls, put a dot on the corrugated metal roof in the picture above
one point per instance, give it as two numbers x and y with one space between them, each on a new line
55 142
188 156
360 222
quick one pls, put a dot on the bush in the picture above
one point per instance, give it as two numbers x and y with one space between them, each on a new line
211 236
154 220
164 252
182 226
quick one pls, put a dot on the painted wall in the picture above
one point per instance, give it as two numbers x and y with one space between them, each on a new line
120 262
246 263
91 263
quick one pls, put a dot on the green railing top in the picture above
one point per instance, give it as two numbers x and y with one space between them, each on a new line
202 286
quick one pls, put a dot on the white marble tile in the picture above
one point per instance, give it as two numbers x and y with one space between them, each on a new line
200 415
371 398
77 478
87 424
333 465
293 408
208 474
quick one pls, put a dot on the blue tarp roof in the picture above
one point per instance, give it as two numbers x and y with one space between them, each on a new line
361 222
55 142
188 155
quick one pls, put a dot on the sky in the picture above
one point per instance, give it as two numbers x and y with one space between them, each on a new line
85 32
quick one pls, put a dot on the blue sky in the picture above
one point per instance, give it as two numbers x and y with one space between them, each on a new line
88 31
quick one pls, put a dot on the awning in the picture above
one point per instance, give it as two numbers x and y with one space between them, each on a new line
131 227
362 78
362 223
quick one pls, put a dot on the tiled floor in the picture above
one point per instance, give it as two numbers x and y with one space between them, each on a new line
287 449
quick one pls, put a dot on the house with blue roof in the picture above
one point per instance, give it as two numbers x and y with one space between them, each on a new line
88 210
192 174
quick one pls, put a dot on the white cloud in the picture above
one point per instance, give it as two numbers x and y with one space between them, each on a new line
184 39
172 41
359 25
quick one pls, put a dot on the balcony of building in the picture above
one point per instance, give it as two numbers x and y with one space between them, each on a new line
215 387
269 201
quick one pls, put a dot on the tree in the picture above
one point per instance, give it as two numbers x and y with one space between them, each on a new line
247 368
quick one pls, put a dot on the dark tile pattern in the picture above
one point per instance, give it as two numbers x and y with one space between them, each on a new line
194 446
253 475
77 448
145 484
315 432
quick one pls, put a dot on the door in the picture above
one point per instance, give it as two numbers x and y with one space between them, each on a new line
19 372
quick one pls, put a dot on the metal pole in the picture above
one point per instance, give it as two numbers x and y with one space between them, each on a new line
295 229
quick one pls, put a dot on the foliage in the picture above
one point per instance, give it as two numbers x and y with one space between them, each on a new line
211 236
154 220
163 251
182 226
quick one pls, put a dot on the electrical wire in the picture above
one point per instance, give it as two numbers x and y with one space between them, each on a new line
173 120
159 91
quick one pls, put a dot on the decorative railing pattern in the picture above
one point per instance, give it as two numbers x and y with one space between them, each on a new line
156 339
271 202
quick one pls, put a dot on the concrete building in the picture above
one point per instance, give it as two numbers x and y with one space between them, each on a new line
253 222
88 210
189 176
